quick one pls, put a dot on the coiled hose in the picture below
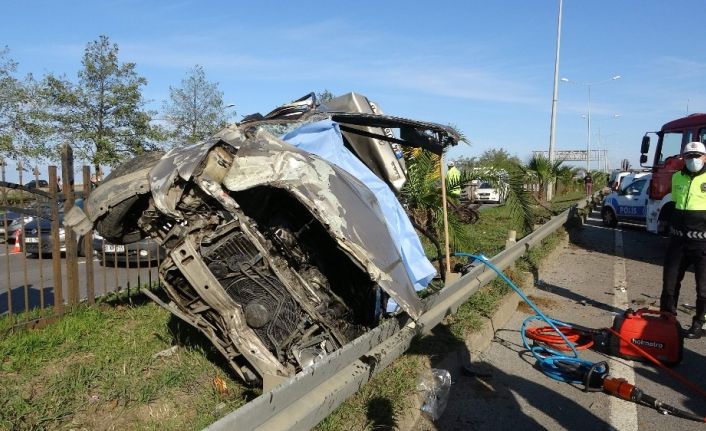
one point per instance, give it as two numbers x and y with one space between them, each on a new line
554 363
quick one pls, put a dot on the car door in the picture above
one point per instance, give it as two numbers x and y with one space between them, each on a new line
632 201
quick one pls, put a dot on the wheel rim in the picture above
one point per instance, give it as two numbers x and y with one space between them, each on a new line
608 217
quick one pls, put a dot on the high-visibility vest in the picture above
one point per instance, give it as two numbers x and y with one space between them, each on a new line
688 219
689 194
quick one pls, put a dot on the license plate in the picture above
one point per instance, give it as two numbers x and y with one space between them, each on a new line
111 248
32 240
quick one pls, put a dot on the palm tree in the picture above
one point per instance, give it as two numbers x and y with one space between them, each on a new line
566 177
543 172
421 196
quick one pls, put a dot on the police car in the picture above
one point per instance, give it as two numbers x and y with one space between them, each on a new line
627 204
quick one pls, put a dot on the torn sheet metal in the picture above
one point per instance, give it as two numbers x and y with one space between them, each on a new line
279 256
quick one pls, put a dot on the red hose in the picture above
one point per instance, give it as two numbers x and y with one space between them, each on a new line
547 335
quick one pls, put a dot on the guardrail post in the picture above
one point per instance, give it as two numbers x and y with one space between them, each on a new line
511 239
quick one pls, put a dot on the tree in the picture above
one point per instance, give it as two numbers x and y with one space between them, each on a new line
196 109
20 136
566 178
103 114
498 159
324 96
421 196
543 172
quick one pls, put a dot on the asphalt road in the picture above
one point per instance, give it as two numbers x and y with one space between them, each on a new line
580 284
33 278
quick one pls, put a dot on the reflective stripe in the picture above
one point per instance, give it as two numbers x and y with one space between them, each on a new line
691 234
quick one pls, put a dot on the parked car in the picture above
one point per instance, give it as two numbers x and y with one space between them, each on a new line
283 232
140 253
620 179
37 184
39 231
16 220
486 193
627 204
10 222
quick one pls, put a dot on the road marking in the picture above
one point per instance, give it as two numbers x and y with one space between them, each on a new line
622 414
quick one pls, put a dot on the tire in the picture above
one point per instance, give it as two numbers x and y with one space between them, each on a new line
119 225
608 216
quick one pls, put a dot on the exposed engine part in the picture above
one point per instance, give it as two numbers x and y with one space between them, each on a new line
278 255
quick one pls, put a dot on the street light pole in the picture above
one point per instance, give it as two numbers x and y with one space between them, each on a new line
589 85
588 142
552 125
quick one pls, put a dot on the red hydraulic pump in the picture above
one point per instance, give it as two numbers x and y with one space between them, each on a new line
657 333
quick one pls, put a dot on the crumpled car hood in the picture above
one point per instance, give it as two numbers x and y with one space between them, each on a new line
346 207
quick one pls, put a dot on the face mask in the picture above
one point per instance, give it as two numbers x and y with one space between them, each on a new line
694 165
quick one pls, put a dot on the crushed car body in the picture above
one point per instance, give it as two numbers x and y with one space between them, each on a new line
284 238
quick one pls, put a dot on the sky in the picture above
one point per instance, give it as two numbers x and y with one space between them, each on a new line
486 67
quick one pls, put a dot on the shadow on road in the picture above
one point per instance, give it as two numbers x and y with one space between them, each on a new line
485 397
642 248
575 296
33 298
692 368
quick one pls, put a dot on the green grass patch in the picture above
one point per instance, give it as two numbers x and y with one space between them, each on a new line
97 366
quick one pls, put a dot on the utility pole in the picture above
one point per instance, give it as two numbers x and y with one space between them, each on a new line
552 124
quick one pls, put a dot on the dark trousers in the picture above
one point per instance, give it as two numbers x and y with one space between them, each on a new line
681 253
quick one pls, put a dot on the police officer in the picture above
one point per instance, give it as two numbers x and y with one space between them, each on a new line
687 245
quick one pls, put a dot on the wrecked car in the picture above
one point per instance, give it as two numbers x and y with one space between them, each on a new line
284 237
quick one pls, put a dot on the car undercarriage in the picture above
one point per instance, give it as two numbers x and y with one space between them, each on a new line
278 255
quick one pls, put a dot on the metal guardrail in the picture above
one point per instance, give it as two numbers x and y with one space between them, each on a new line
306 399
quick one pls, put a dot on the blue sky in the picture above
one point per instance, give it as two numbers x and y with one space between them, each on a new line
484 66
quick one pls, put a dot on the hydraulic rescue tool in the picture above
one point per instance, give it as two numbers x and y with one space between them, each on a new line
639 335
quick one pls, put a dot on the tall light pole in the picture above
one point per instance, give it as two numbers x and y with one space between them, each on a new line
555 96
588 138
600 141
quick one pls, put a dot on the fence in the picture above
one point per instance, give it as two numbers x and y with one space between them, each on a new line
44 267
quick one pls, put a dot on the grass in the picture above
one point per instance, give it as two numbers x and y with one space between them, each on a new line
95 367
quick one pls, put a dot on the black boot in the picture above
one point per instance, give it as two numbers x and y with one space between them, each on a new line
696 330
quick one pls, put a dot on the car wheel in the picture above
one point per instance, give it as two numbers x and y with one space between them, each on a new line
119 224
609 218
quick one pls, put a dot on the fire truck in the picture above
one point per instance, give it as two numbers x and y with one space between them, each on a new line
667 160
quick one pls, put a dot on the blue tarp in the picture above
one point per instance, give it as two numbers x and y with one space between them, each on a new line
324 139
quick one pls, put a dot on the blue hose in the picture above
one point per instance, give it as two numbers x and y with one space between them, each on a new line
553 363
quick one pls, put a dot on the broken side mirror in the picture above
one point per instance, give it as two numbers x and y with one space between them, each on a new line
645 147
